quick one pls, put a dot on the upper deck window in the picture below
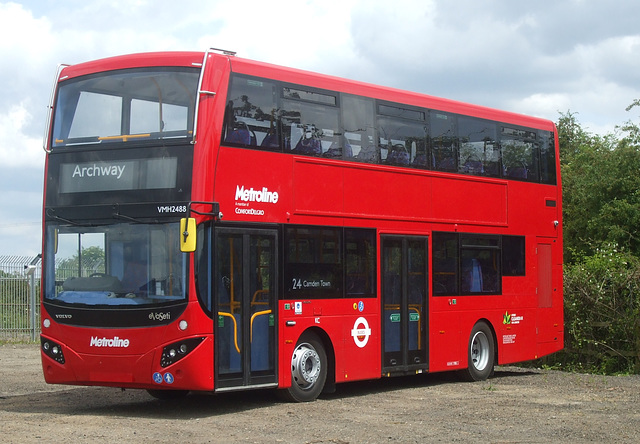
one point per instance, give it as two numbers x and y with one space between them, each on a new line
310 96
479 152
268 114
125 106
520 154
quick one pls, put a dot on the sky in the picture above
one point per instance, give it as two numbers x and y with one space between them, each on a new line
540 58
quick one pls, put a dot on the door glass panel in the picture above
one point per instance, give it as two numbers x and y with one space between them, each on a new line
262 281
229 284
392 299
416 292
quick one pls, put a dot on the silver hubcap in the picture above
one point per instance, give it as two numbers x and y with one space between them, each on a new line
305 366
480 351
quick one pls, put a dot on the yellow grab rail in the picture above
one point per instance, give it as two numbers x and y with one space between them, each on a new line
235 328
235 325
255 315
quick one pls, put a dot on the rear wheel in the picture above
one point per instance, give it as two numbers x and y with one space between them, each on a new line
481 354
308 369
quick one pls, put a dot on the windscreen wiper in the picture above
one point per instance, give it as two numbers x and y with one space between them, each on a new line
52 214
117 215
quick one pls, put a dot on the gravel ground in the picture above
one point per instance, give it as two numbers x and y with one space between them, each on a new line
516 406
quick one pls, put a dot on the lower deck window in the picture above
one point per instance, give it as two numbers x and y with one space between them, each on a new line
513 256
466 264
322 262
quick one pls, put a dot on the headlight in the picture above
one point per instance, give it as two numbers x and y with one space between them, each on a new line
174 352
52 349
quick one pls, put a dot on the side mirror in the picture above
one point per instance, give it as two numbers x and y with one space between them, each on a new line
188 235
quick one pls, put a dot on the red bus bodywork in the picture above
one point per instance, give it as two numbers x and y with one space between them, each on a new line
526 318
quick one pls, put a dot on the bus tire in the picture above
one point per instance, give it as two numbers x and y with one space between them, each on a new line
308 369
480 354
168 395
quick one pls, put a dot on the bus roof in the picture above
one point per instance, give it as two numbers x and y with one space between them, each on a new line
140 60
298 76
293 75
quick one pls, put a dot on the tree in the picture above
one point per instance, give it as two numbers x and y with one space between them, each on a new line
602 312
601 187
572 138
601 209
93 261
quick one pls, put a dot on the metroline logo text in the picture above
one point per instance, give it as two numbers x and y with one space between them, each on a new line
251 195
108 342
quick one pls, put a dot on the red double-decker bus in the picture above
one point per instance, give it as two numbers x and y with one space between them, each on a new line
213 223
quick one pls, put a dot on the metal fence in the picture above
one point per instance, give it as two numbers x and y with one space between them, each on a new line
19 303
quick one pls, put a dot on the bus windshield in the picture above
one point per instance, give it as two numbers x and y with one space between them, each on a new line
122 264
125 106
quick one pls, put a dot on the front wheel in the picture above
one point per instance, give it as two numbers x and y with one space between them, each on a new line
481 354
308 369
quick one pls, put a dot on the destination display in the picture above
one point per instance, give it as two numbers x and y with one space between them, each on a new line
131 174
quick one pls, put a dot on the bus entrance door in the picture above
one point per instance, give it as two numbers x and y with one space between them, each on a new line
404 299
245 322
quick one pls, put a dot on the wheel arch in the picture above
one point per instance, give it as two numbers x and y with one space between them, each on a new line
329 349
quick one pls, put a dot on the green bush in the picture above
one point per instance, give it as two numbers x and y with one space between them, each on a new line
602 308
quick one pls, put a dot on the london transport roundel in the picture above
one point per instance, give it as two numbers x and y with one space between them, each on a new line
361 332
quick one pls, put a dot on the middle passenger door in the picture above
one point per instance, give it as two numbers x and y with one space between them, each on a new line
404 268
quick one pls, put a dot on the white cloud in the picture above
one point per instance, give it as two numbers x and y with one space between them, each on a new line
542 105
19 148
20 226
302 34
541 58
615 59
26 44
21 34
